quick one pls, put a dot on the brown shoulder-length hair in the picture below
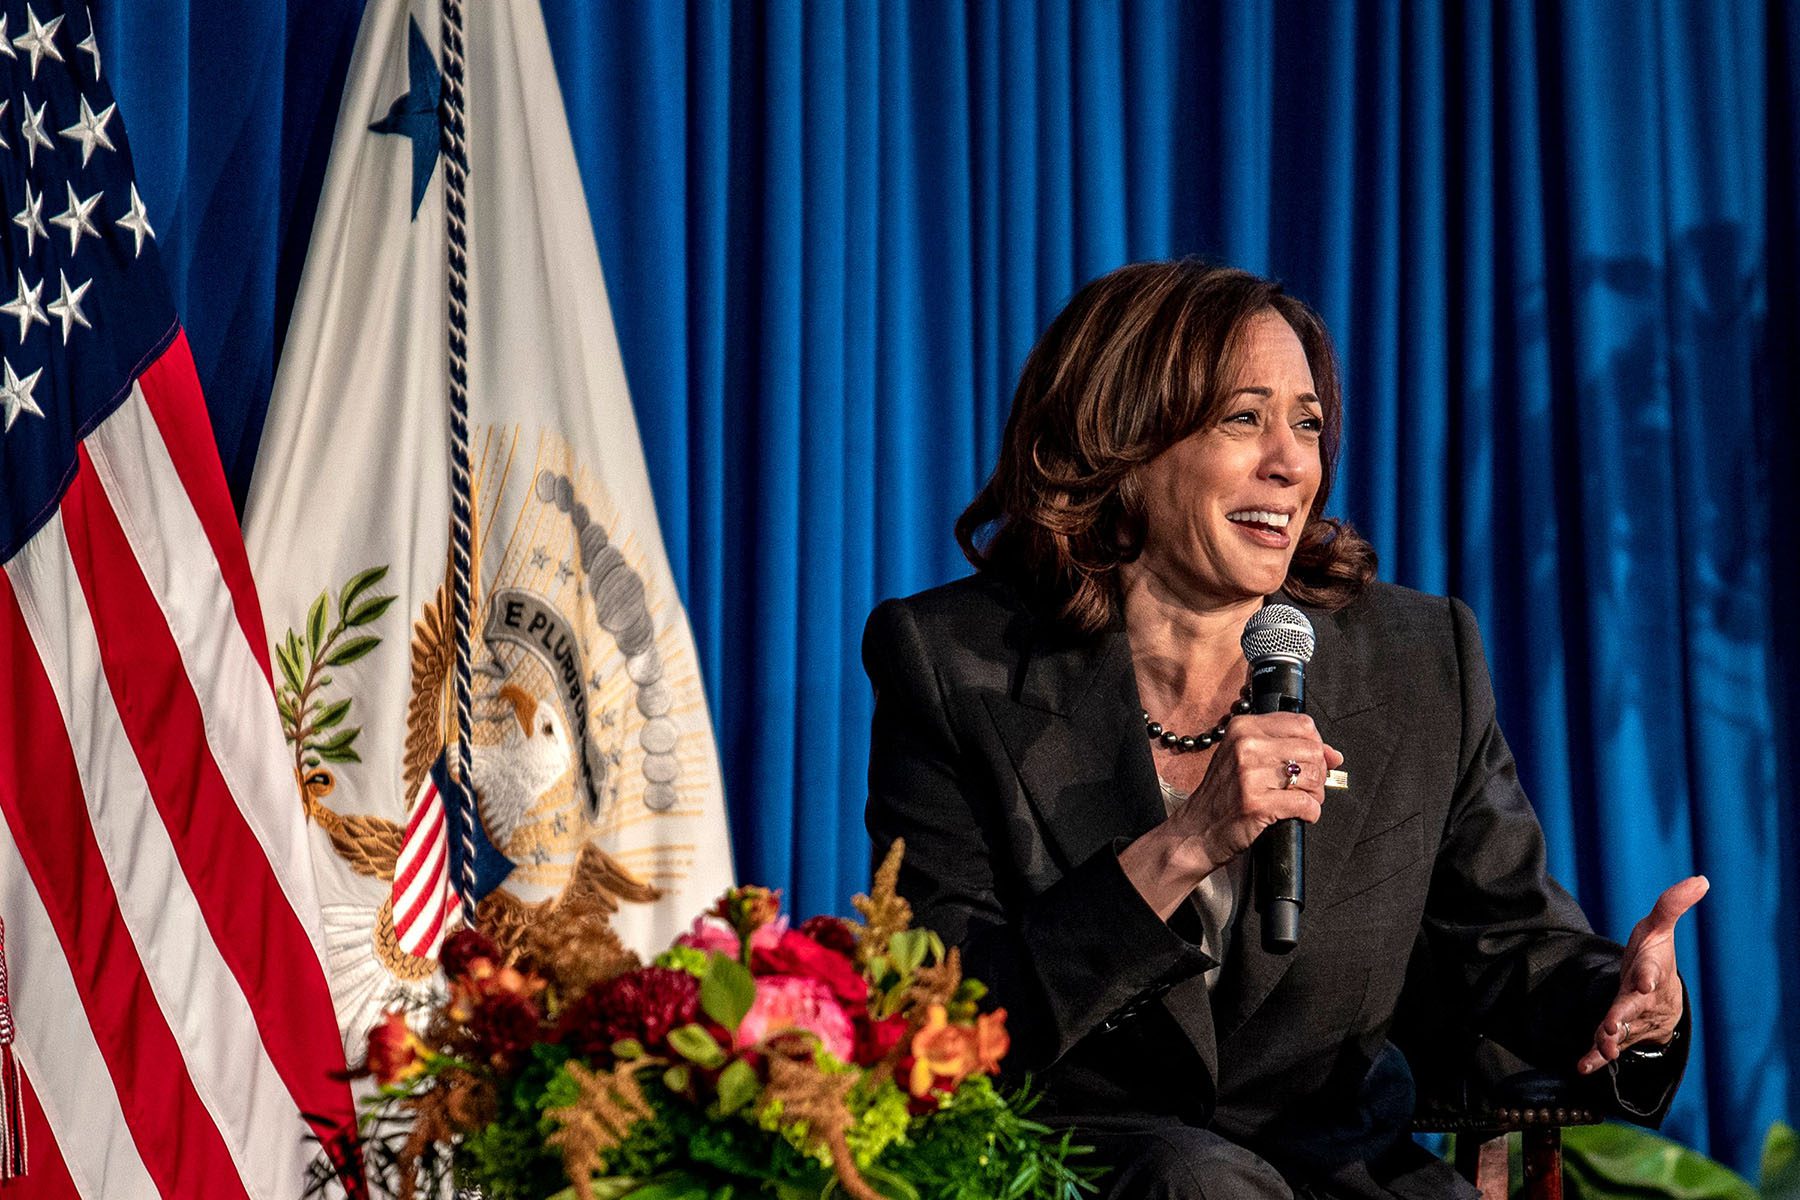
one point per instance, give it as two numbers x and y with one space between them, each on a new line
1137 360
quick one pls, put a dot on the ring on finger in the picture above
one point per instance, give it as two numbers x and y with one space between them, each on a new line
1290 773
1624 1032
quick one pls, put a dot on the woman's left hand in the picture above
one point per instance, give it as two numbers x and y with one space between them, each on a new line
1650 996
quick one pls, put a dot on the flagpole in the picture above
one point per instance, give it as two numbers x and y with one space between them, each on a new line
462 519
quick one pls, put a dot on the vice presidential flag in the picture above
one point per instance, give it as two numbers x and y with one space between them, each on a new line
164 989
452 251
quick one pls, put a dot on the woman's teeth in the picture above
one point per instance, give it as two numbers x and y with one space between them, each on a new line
1251 516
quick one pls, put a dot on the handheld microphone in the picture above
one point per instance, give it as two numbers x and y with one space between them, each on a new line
1278 641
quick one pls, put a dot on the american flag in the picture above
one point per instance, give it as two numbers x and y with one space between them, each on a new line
433 887
422 895
161 932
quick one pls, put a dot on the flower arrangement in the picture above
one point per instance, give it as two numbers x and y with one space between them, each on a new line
750 1058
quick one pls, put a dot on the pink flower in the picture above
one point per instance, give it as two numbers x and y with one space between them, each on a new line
790 1002
712 936
796 954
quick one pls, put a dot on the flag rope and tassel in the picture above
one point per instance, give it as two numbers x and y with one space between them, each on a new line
462 533
12 1091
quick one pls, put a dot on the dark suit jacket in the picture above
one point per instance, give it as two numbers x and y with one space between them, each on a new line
1013 761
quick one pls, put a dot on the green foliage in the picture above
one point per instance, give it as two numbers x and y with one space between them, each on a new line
691 959
890 973
315 624
696 1045
339 747
977 1147
676 1186
601 1189
727 991
313 727
351 650
655 1146
1615 1160
882 1118
737 1087
907 949
1781 1163
508 1157
734 1150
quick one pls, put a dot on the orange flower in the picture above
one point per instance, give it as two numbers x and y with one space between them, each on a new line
943 1054
482 980
395 1052
991 1041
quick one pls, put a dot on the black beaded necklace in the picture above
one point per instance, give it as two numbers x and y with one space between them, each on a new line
1196 741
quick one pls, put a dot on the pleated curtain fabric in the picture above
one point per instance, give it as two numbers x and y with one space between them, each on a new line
1556 244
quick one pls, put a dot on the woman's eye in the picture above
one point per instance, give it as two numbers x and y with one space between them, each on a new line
1313 425
1247 417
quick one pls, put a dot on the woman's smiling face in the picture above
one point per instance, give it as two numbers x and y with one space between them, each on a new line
1224 506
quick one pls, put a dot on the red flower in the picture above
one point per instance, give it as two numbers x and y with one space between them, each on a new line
797 954
504 1024
394 1050
831 933
644 1005
876 1039
462 949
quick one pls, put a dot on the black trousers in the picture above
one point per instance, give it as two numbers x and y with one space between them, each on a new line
1153 1160
1180 1162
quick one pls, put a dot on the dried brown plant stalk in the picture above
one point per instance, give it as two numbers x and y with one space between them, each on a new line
819 1099
885 912
934 985
470 1101
611 1103
432 1126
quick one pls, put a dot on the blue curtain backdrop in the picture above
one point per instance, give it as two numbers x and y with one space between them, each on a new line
1556 243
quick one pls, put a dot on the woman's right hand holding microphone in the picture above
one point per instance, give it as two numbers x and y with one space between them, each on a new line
1249 785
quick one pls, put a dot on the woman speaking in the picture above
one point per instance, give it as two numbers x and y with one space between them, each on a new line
1066 744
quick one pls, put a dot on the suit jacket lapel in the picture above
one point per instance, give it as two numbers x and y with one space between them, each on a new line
1074 731
1349 718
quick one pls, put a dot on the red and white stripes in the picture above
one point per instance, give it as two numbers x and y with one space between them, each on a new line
168 984
422 895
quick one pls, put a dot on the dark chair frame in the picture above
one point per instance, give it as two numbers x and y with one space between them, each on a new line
1535 1105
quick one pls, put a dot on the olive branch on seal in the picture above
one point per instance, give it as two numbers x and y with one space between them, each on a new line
315 727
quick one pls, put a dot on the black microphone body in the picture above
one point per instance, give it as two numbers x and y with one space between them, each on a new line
1278 684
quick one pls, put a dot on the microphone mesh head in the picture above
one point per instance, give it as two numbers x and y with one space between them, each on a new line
1280 631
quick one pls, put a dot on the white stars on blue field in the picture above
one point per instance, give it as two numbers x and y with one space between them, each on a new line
62 143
